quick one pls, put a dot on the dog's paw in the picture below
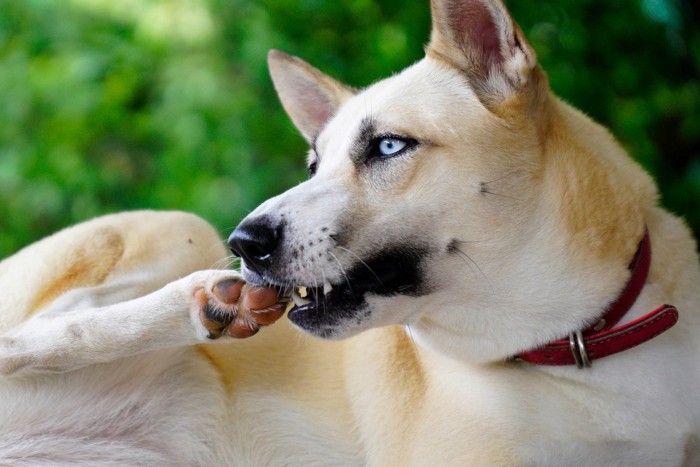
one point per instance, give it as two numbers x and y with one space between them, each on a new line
234 308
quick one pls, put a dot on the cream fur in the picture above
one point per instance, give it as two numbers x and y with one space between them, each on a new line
104 353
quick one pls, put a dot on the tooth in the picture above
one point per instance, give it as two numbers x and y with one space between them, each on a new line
327 287
290 305
298 301
302 291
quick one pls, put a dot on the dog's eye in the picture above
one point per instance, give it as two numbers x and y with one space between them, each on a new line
391 146
388 146
311 168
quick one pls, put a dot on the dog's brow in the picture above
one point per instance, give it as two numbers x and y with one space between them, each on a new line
368 128
365 134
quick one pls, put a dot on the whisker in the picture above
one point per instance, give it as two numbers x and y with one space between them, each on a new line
235 262
469 261
342 270
217 264
362 262
512 172
223 232
465 259
223 263
486 190
323 276
489 192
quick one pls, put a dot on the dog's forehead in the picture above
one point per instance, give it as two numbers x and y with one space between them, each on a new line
423 100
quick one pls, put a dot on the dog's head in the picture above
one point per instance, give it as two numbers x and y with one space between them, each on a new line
458 197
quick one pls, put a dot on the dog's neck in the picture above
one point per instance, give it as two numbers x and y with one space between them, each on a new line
601 338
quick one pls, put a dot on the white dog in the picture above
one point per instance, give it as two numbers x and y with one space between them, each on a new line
493 278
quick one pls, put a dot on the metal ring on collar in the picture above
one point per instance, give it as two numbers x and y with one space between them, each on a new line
578 349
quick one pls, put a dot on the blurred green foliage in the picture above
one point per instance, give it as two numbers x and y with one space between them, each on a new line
112 105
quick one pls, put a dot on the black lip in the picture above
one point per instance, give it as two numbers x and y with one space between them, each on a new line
326 312
396 271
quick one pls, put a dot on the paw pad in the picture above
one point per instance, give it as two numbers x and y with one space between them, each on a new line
237 309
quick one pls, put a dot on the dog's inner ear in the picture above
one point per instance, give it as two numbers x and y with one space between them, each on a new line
309 96
480 38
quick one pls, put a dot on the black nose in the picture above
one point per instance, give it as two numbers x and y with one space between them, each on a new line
255 240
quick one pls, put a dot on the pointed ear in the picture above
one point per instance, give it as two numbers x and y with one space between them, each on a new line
309 96
480 38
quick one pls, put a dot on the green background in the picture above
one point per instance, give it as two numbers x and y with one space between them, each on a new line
109 105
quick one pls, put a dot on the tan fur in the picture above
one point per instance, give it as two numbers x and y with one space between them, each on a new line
82 268
605 193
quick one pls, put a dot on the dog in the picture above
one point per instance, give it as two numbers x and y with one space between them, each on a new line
482 276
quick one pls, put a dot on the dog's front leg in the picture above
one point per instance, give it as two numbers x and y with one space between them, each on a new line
199 308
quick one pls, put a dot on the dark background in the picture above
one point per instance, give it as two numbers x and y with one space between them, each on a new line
113 105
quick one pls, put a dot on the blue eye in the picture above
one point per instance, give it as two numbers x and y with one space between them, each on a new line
388 146
391 146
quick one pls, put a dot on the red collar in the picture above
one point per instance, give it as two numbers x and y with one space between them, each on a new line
601 339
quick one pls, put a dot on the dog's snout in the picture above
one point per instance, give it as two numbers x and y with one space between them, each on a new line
255 241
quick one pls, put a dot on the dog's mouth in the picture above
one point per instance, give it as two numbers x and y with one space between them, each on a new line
321 309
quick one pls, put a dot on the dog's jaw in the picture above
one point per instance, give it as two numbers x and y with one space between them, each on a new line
351 304
344 284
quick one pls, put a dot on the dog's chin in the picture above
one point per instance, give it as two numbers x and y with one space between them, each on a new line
341 309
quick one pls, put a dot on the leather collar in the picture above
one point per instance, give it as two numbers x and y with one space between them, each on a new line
602 338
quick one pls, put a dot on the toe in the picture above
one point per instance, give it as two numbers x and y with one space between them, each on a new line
268 315
241 328
228 291
259 298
